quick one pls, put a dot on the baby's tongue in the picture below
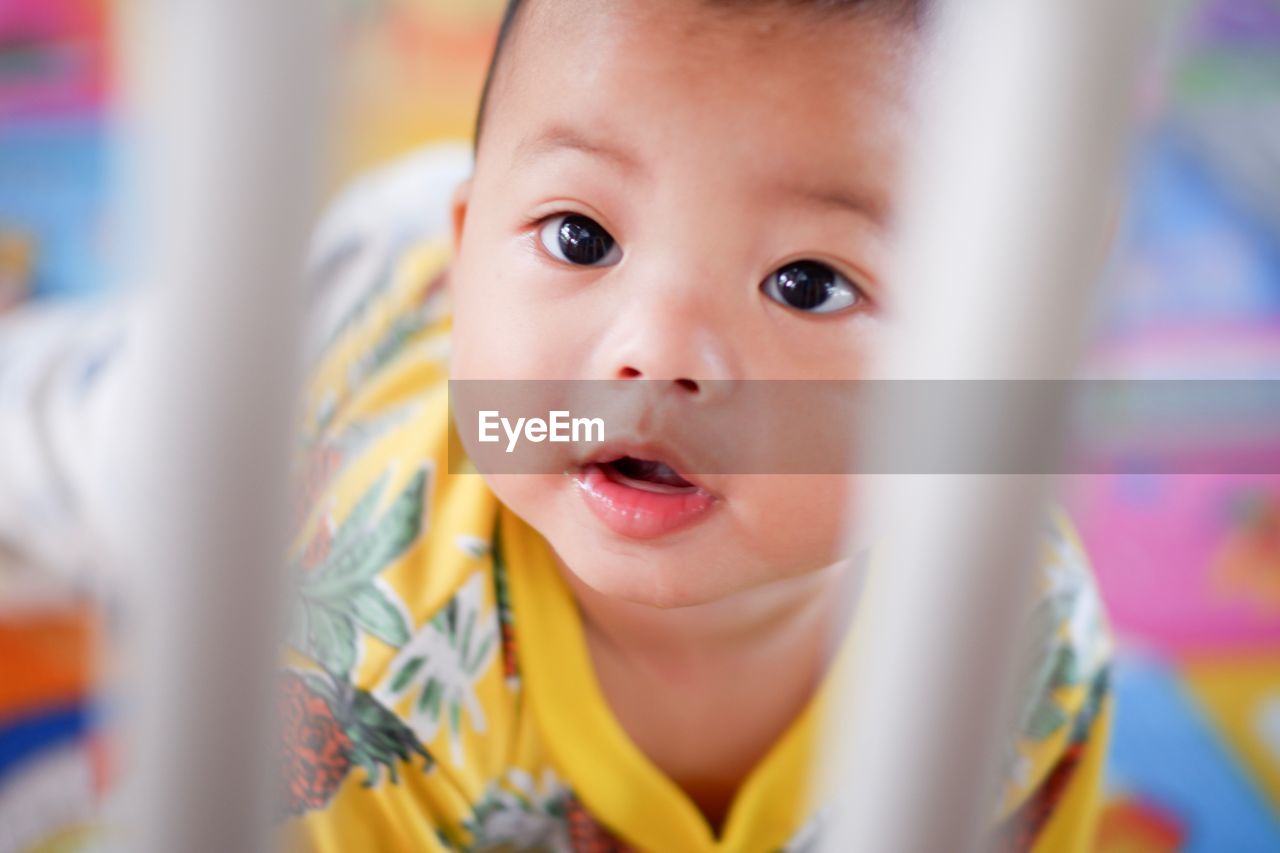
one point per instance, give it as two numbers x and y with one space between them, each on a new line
650 471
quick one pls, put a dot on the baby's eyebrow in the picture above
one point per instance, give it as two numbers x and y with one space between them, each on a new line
827 196
565 138
847 199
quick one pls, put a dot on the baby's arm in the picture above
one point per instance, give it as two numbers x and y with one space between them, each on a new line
60 367
63 367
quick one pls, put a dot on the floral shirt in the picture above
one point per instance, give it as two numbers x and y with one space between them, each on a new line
439 693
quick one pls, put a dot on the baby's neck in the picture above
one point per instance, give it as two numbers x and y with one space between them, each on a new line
704 691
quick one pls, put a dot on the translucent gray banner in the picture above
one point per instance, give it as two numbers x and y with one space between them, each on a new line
811 427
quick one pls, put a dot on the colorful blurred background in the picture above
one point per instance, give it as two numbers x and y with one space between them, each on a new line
1189 564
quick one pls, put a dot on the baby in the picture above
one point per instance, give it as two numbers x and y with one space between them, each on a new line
632 656
637 655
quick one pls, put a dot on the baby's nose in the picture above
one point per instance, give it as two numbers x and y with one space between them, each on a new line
661 329
684 384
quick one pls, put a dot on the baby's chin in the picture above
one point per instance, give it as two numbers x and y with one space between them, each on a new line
703 564
666 583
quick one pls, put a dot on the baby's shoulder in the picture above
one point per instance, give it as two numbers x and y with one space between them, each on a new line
387 349
373 449
396 635
395 592
386 533
395 629
375 286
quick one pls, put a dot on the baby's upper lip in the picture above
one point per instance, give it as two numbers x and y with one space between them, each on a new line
654 451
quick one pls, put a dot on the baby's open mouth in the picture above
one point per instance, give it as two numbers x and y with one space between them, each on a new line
649 475
641 498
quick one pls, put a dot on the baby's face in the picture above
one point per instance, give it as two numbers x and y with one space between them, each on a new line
680 192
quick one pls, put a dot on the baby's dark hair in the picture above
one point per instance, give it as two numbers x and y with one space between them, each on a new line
910 10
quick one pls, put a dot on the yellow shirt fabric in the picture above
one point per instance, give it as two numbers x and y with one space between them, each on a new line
439 693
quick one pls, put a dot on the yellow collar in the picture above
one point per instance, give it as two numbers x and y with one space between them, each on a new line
617 783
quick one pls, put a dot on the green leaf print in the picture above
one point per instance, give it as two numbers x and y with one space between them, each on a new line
331 638
405 675
429 700
379 616
355 525
1047 719
437 672
341 594
1067 670
380 739
402 332
368 554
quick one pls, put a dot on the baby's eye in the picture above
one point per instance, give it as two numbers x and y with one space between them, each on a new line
812 287
579 240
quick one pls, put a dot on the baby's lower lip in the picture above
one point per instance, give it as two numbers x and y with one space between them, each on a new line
638 513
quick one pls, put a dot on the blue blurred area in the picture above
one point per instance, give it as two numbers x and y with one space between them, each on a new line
1165 750
53 193
1194 254
23 737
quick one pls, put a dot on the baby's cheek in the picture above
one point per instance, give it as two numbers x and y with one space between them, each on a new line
484 340
493 342
802 522
521 493
479 346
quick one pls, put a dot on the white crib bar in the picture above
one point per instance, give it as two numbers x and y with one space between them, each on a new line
224 118
1008 211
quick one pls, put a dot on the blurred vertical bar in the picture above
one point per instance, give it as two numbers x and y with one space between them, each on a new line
1009 207
224 133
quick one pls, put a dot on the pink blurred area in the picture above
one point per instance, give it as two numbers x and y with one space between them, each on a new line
1187 563
54 56
45 18
409 71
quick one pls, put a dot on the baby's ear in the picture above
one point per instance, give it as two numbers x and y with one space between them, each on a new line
458 209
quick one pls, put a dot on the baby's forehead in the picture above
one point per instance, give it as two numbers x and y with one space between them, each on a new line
766 85
813 32
741 39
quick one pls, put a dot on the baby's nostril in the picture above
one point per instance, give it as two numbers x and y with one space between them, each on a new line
629 373
688 385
